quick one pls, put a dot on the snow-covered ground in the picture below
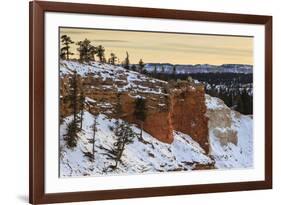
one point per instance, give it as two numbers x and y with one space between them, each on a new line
138 157
231 143
231 155
122 79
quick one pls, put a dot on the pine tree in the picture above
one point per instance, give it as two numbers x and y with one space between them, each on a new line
100 53
112 59
140 112
86 50
123 133
126 63
71 137
82 105
66 41
73 126
124 136
240 103
174 71
81 50
93 52
103 60
73 93
141 65
247 102
155 70
163 69
94 127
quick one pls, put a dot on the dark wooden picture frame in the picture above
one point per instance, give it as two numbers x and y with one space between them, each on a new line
37 10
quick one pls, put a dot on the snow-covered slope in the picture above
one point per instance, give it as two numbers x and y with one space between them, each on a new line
122 79
138 157
230 135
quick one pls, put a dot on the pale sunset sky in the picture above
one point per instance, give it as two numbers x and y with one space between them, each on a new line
172 48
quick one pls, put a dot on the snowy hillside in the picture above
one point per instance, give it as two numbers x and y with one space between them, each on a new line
183 154
230 135
122 79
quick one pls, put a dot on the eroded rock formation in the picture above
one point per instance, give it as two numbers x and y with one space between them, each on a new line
179 107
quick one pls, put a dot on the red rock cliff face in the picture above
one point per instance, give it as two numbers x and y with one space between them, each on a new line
185 113
188 114
158 123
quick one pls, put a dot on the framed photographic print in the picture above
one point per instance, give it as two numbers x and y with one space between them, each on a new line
139 102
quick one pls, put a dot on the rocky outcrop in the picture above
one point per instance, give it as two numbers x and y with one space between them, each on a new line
169 106
230 135
188 113
221 121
